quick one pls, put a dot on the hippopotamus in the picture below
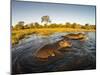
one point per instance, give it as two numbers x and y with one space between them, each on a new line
78 36
51 50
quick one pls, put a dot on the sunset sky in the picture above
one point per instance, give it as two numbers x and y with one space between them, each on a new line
59 13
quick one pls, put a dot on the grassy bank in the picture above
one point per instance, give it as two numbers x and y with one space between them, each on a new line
17 35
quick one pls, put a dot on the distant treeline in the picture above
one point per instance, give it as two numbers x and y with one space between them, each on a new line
21 25
20 30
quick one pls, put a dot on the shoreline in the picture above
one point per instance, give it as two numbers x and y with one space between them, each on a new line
20 34
55 30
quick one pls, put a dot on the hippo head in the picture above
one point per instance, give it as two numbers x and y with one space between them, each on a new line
64 43
82 35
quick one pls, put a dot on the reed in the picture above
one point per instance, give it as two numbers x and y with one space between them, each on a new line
17 35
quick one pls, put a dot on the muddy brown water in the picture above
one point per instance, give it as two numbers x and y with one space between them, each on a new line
81 56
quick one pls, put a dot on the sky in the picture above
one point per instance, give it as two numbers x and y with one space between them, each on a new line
59 13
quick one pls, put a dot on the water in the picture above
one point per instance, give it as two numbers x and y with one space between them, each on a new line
81 56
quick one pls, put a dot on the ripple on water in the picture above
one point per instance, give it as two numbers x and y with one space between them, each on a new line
81 56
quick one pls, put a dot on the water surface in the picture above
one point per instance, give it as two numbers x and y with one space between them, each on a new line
81 56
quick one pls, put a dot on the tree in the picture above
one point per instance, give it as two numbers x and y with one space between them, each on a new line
26 26
67 24
36 24
86 24
74 25
31 25
19 25
45 19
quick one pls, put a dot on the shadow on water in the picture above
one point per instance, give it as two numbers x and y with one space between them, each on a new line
81 56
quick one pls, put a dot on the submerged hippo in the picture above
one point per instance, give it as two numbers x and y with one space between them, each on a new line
51 50
79 36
